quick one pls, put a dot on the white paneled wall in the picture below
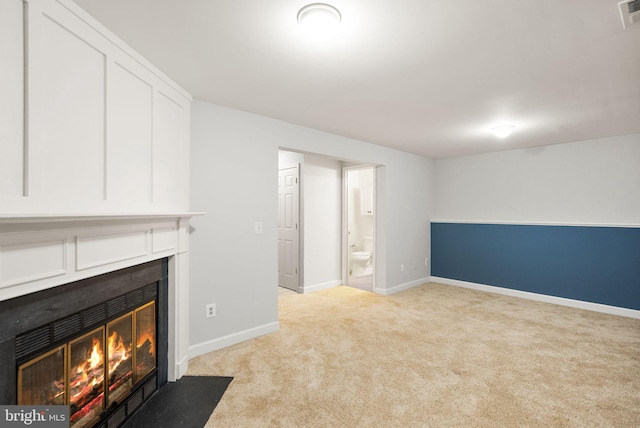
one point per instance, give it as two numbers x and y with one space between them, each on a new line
66 102
130 132
11 98
105 130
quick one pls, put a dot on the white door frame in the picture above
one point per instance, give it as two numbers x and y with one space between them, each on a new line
345 221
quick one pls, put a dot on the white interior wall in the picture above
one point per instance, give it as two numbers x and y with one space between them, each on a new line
409 203
322 229
234 156
586 182
287 158
234 180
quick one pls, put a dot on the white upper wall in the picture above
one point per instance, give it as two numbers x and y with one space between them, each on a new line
585 182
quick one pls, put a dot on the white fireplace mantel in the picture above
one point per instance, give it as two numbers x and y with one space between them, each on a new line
14 219
43 251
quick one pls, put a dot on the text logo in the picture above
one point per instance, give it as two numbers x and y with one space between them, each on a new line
34 416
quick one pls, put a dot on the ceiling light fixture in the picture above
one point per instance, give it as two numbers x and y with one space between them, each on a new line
319 17
503 131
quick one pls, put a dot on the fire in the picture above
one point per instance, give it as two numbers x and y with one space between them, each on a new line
147 337
89 373
118 351
96 356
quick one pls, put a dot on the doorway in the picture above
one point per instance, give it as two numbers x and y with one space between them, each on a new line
359 203
288 227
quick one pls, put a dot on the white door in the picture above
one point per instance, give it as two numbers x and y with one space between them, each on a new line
288 230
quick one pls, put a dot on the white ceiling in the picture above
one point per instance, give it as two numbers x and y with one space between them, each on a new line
425 76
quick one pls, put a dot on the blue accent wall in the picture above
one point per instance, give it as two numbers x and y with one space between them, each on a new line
591 264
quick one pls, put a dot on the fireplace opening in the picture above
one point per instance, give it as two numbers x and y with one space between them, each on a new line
103 360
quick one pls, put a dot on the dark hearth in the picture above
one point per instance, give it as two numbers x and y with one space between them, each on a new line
187 402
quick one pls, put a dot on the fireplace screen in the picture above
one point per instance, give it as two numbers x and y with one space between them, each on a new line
94 371
146 339
49 366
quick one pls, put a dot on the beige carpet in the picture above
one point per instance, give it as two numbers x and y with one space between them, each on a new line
432 356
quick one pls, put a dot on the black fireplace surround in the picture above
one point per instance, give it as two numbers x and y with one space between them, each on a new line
76 304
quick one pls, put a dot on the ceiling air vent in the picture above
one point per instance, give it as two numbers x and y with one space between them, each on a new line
630 13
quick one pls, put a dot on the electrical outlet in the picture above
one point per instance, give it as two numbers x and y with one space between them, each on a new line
426 261
401 268
414 265
211 310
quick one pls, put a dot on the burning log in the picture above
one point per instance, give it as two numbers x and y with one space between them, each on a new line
145 356
121 373
86 382
80 412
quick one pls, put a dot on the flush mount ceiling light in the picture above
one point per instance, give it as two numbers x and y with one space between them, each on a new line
503 131
319 17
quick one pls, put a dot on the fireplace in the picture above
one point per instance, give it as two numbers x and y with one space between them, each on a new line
99 345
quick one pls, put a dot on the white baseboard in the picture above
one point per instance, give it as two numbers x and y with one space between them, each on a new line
321 286
401 287
232 339
596 307
181 368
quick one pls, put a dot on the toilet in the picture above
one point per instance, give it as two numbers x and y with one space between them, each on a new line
361 260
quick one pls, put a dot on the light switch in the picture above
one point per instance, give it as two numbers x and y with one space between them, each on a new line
258 227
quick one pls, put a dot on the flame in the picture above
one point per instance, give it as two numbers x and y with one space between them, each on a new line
118 351
143 338
89 373
96 356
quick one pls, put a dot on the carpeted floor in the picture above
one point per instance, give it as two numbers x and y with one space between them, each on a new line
186 403
433 355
